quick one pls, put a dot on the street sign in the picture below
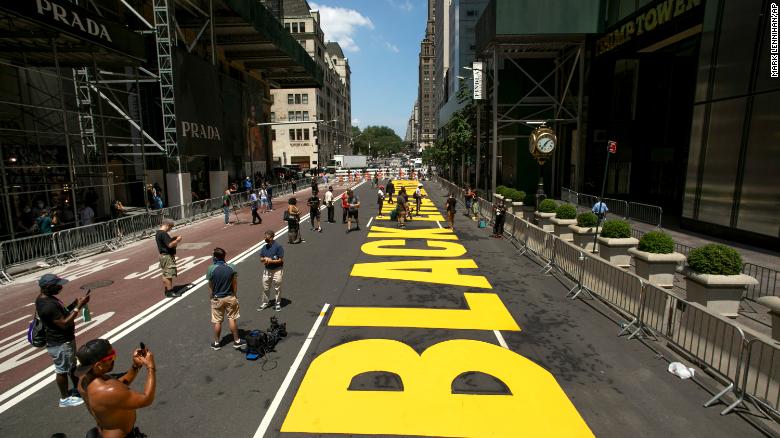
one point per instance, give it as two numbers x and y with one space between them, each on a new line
612 147
476 70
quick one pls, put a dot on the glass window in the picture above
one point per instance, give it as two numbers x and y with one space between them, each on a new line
305 98
290 116
302 26
305 134
305 116
289 99
273 135
292 135
299 134
297 98
295 27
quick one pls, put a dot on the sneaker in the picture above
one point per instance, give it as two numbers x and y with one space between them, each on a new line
278 307
262 306
71 401
215 346
238 344
319 229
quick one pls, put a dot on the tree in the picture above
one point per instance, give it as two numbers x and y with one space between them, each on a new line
383 141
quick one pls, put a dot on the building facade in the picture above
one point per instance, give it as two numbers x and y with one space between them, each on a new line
441 51
306 142
426 131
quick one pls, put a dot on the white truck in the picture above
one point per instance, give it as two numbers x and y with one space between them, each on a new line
347 162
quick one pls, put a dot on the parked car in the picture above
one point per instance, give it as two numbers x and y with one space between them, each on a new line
284 173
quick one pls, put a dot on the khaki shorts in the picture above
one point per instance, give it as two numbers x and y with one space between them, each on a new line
167 266
222 306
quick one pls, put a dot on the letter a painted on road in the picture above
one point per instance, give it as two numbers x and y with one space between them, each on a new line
535 406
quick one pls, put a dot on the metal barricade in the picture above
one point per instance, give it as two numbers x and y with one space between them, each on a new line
618 287
26 249
760 381
711 340
568 195
649 214
94 236
767 281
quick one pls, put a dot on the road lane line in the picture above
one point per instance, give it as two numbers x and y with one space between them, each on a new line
269 415
34 383
439 224
16 320
368 225
500 338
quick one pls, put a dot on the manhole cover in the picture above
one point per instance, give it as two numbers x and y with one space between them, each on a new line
193 245
97 284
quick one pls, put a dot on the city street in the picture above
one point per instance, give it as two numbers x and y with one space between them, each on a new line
408 332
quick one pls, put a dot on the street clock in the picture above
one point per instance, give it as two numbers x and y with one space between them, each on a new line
542 143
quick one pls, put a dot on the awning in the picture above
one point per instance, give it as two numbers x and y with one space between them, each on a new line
30 28
248 33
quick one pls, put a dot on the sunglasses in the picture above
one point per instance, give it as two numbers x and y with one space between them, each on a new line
109 356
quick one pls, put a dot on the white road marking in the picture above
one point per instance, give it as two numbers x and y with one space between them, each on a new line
14 321
439 224
368 225
500 338
269 415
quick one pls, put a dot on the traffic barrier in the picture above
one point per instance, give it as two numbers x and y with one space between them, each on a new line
767 281
650 214
760 381
25 250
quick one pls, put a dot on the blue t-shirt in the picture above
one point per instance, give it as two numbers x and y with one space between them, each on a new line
221 274
600 208
44 225
273 251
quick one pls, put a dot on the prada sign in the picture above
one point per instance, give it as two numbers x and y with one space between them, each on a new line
80 23
199 130
648 20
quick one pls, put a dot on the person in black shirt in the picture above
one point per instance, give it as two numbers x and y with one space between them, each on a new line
166 246
315 189
390 190
58 322
500 213
314 210
451 210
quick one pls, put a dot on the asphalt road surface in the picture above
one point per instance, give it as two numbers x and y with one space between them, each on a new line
415 332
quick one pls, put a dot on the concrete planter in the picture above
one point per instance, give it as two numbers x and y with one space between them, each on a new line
615 251
657 269
514 207
498 197
528 212
543 221
773 303
719 293
562 230
583 236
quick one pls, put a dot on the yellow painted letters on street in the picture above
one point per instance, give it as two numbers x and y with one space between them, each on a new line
390 248
485 312
535 407
425 271
410 233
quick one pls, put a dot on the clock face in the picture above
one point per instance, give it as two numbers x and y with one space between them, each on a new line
545 145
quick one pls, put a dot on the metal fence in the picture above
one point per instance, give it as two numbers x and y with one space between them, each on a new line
650 214
64 245
749 368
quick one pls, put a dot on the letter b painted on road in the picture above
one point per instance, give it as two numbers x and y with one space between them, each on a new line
426 405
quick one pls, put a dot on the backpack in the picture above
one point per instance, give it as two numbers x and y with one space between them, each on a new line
36 333
255 341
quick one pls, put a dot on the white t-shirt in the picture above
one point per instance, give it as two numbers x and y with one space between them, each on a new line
263 194
328 197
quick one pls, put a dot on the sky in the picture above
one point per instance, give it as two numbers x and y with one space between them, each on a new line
381 39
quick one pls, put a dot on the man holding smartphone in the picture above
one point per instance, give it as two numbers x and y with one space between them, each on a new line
272 257
223 284
59 324
109 399
166 246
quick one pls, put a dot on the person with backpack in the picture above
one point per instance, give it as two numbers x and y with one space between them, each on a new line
226 206
314 211
401 207
60 329
418 195
223 287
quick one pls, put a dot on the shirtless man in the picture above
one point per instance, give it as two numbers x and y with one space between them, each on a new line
109 399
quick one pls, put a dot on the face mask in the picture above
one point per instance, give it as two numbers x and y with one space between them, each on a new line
268 240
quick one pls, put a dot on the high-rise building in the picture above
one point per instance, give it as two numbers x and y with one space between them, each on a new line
427 127
441 51
306 142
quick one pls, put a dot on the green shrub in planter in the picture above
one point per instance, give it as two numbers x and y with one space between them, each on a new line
587 220
715 259
500 190
615 229
516 195
656 242
548 206
566 211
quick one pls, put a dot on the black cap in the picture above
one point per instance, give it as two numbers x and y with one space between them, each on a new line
51 280
90 353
